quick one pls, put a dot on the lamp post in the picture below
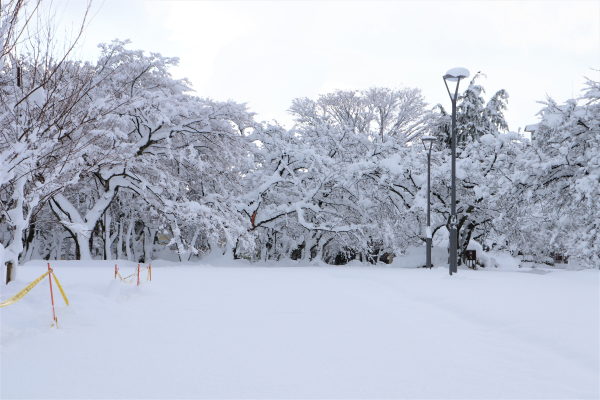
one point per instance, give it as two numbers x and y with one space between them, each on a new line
428 140
454 75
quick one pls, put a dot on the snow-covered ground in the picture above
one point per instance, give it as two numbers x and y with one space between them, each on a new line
231 330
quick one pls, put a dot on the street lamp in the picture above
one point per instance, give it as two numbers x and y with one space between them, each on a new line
428 140
454 75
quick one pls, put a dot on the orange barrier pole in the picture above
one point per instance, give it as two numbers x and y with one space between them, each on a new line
138 275
51 295
150 271
116 269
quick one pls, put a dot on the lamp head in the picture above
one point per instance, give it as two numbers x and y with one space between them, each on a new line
428 140
455 74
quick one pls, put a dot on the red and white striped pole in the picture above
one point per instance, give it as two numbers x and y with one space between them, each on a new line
51 295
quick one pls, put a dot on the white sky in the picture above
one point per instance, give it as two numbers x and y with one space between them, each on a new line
267 53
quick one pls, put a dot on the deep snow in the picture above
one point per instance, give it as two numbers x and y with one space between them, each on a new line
230 330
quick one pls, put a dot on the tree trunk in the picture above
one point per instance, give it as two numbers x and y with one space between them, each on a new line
308 243
14 249
54 251
193 243
120 242
148 243
316 247
107 241
263 249
81 230
135 244
82 247
68 248
128 241
29 242
176 235
111 238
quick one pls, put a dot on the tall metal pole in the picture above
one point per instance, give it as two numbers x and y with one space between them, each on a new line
428 260
454 75
453 220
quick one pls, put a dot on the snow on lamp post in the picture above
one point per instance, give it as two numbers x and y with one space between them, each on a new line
428 141
454 75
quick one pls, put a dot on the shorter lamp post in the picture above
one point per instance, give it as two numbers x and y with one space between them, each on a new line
428 141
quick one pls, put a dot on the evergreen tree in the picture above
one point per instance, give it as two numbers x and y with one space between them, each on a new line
474 117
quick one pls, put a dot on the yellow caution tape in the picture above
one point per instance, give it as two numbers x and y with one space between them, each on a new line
123 279
23 292
133 275
61 289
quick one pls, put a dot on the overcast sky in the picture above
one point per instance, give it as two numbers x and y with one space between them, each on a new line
267 53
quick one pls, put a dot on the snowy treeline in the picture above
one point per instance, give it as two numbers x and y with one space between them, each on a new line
115 151
119 160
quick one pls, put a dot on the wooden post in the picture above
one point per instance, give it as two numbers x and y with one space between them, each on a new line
150 271
138 283
8 272
116 269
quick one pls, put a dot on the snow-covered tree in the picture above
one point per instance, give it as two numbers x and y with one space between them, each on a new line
298 197
485 154
46 127
558 180
82 136
13 25
474 117
378 113
317 192
180 154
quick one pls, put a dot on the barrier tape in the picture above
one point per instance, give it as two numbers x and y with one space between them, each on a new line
60 288
149 276
123 279
27 289
23 292
137 272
